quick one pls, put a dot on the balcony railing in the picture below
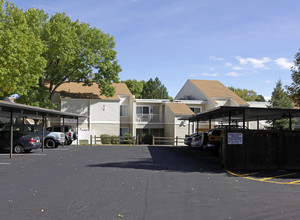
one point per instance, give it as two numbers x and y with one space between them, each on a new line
149 118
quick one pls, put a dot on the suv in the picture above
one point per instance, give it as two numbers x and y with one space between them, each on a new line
51 139
70 133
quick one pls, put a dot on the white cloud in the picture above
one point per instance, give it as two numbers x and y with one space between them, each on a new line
283 63
210 74
234 74
256 63
268 81
228 64
238 68
216 58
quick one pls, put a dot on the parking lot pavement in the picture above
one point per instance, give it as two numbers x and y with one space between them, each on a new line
136 182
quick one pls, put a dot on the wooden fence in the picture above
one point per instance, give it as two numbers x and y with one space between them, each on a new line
261 150
167 141
175 141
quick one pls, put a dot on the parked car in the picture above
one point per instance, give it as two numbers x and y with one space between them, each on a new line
21 142
51 139
199 140
70 133
214 136
188 139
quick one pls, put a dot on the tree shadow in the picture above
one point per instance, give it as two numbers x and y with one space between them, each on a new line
171 159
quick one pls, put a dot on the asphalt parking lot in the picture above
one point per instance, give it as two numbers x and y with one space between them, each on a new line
139 182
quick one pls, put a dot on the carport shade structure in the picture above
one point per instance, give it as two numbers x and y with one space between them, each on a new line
15 109
231 114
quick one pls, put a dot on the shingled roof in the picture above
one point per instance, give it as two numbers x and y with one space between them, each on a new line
180 109
78 90
214 89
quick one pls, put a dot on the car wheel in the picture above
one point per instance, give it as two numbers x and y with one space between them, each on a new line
49 143
28 150
18 149
69 142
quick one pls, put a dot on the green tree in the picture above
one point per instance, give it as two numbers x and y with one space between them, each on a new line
153 89
294 88
135 87
247 95
74 52
280 99
21 49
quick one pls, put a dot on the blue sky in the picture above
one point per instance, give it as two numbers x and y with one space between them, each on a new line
245 44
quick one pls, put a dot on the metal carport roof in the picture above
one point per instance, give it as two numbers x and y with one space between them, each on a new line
6 106
10 109
244 113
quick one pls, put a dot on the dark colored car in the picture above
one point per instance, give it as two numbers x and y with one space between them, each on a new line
200 140
70 133
51 139
21 142
188 139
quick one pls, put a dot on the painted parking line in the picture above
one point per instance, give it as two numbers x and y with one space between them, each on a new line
34 154
271 179
5 163
274 177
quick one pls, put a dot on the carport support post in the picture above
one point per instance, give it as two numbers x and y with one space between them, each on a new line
209 123
77 132
244 119
197 127
43 133
11 133
290 124
189 128
229 120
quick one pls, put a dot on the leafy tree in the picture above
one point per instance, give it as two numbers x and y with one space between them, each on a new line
75 52
247 95
135 87
21 49
280 99
153 89
294 89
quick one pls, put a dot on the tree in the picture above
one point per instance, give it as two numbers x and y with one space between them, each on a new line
247 95
21 49
153 89
75 52
294 89
280 99
135 87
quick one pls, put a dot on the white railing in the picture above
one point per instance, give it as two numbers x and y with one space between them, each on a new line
149 118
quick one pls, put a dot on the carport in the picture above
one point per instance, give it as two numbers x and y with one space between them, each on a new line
11 110
255 149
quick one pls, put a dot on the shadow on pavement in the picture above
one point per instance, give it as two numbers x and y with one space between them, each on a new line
172 159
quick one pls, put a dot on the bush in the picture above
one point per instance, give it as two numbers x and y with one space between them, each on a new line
128 139
114 139
147 138
105 139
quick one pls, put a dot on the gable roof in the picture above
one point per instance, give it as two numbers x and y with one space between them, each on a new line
215 89
180 109
78 90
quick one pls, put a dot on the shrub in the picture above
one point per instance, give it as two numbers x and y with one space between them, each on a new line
147 138
128 139
105 139
114 139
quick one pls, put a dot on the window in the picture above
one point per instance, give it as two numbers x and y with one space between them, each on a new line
142 110
124 131
124 110
196 110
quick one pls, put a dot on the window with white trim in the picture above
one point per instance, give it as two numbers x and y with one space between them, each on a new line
124 131
196 110
124 110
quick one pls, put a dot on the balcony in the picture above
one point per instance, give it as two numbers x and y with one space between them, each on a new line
154 118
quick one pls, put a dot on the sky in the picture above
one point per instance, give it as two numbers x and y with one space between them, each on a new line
241 43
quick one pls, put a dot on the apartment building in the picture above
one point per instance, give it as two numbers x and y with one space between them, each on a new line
123 113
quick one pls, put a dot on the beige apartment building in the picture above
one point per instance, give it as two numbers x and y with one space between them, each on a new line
123 113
